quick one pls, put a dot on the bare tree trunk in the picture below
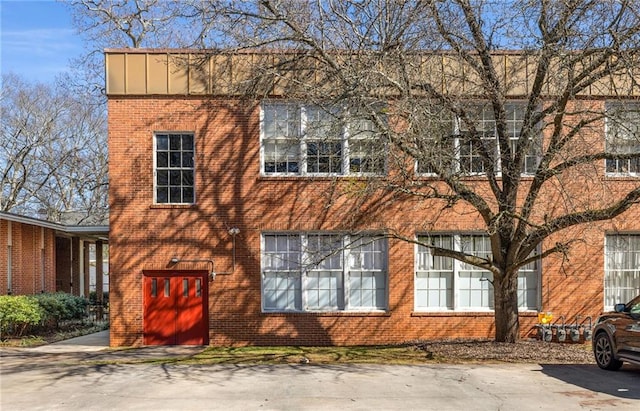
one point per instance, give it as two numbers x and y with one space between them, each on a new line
506 308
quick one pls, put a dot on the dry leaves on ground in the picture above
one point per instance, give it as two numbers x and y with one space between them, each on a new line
528 351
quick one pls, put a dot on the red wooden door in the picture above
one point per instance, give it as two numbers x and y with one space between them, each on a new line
175 310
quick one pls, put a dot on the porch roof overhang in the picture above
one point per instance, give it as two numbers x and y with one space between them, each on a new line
94 232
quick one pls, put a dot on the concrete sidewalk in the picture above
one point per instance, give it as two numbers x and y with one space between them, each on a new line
87 343
94 348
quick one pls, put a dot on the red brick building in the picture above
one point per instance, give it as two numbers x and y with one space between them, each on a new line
40 256
200 185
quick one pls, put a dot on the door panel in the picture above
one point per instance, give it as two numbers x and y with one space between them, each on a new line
190 308
175 310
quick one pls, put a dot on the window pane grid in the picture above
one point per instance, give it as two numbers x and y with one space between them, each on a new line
301 139
623 137
467 152
622 269
282 156
443 283
174 168
318 280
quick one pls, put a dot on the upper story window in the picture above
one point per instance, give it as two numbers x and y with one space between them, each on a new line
299 139
323 272
455 147
443 283
623 137
174 168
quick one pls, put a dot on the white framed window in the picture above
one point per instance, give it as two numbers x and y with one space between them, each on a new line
174 168
281 129
443 283
453 136
323 272
623 137
622 269
305 139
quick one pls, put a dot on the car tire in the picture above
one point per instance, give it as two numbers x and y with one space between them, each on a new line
603 352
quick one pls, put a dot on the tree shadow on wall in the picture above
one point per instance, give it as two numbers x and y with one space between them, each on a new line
230 193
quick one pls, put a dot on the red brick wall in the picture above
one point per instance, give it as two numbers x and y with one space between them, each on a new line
231 193
4 237
27 268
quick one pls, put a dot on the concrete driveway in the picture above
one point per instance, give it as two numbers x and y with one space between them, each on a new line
59 378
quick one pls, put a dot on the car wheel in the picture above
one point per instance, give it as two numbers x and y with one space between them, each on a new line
603 351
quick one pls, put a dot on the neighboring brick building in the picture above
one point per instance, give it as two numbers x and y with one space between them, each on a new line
40 256
197 185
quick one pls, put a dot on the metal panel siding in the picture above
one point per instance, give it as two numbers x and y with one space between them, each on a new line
158 79
179 74
136 73
115 73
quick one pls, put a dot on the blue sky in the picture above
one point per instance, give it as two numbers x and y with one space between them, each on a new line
37 39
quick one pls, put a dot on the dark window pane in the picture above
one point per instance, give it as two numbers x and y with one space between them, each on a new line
323 165
477 166
175 178
162 195
187 178
175 159
162 142
187 142
162 178
162 159
154 287
269 167
187 195
174 142
175 195
187 159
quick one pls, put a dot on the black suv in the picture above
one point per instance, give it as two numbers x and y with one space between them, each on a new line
616 336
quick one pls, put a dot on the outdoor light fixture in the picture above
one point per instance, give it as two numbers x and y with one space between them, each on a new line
234 231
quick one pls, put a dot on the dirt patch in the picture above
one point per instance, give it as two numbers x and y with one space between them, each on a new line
524 351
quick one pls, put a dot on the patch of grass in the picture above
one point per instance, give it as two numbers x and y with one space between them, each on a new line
396 354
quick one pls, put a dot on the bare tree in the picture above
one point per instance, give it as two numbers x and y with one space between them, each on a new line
455 106
53 160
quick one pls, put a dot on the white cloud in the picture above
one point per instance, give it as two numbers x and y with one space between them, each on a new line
43 41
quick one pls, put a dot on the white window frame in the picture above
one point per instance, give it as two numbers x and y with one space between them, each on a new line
621 110
437 268
301 278
514 125
621 280
169 168
344 135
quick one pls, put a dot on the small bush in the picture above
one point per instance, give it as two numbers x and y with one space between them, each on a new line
17 312
59 307
93 298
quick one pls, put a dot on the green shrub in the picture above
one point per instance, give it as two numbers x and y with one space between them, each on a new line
17 312
93 298
59 307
